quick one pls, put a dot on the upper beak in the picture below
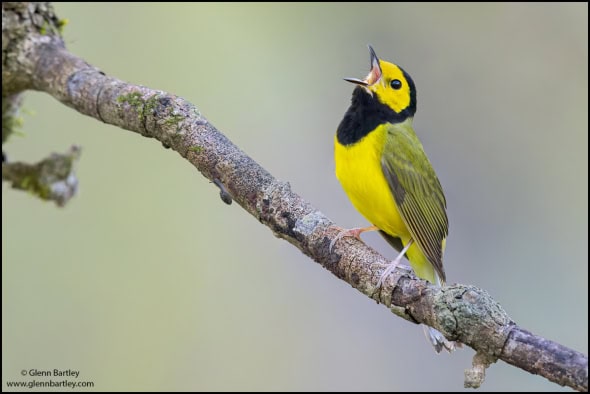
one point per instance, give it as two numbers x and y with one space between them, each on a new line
374 74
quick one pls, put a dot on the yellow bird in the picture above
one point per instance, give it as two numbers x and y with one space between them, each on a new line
383 169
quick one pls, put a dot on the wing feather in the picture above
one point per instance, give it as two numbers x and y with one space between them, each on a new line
417 192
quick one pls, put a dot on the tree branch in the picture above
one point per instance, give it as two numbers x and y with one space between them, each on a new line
39 61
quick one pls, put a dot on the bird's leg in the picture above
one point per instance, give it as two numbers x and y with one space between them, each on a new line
391 267
352 232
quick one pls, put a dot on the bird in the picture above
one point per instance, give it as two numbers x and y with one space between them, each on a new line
382 167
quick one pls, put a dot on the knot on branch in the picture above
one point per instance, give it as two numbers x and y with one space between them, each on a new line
462 313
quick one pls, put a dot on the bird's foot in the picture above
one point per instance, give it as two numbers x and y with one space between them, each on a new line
351 232
392 266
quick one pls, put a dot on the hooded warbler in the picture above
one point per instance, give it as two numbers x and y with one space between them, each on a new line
383 169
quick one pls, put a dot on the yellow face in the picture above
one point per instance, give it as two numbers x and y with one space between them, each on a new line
389 84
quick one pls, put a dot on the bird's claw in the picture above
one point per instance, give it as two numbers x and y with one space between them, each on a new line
352 232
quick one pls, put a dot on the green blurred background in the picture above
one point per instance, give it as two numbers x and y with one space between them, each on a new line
147 281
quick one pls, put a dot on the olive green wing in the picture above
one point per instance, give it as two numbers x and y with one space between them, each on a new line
417 192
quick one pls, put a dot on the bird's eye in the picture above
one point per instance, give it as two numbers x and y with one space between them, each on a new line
396 84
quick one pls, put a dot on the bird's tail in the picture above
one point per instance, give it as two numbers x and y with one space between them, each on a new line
438 340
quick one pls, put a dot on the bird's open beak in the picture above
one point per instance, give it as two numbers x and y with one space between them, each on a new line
374 74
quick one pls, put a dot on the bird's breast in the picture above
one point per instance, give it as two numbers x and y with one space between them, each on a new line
358 168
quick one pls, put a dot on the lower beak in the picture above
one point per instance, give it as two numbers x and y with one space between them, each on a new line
357 81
